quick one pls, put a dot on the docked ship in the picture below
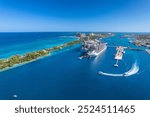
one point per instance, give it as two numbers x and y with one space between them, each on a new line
92 47
97 49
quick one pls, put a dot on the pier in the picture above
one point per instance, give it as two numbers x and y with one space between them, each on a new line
119 54
116 65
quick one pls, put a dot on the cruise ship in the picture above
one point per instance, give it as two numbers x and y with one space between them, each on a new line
97 49
93 47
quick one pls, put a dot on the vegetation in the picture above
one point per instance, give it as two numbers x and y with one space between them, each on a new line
18 59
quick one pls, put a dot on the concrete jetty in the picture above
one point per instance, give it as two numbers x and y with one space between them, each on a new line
119 54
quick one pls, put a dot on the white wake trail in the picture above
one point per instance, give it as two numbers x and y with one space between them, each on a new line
109 74
134 70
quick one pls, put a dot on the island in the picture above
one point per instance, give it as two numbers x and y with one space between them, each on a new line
16 60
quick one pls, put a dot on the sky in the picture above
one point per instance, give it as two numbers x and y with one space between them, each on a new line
75 15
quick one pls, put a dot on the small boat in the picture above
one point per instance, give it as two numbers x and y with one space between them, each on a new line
15 96
115 65
81 57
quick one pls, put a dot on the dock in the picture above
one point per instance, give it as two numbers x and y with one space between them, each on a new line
119 54
116 65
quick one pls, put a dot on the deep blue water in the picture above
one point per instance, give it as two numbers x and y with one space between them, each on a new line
63 76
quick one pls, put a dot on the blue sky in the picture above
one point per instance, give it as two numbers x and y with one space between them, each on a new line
75 15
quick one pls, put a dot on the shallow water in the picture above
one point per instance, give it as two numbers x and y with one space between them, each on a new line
21 43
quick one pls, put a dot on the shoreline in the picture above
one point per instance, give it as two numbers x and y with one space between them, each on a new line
49 50
21 64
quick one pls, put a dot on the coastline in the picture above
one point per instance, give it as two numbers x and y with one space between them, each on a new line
50 51
21 64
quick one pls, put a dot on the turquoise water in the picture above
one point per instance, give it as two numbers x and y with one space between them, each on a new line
63 76
21 43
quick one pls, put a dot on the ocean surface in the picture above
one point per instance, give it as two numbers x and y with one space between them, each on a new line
63 76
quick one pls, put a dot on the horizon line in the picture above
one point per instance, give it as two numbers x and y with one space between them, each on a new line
74 31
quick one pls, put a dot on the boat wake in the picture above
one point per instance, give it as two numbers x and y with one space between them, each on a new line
134 70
